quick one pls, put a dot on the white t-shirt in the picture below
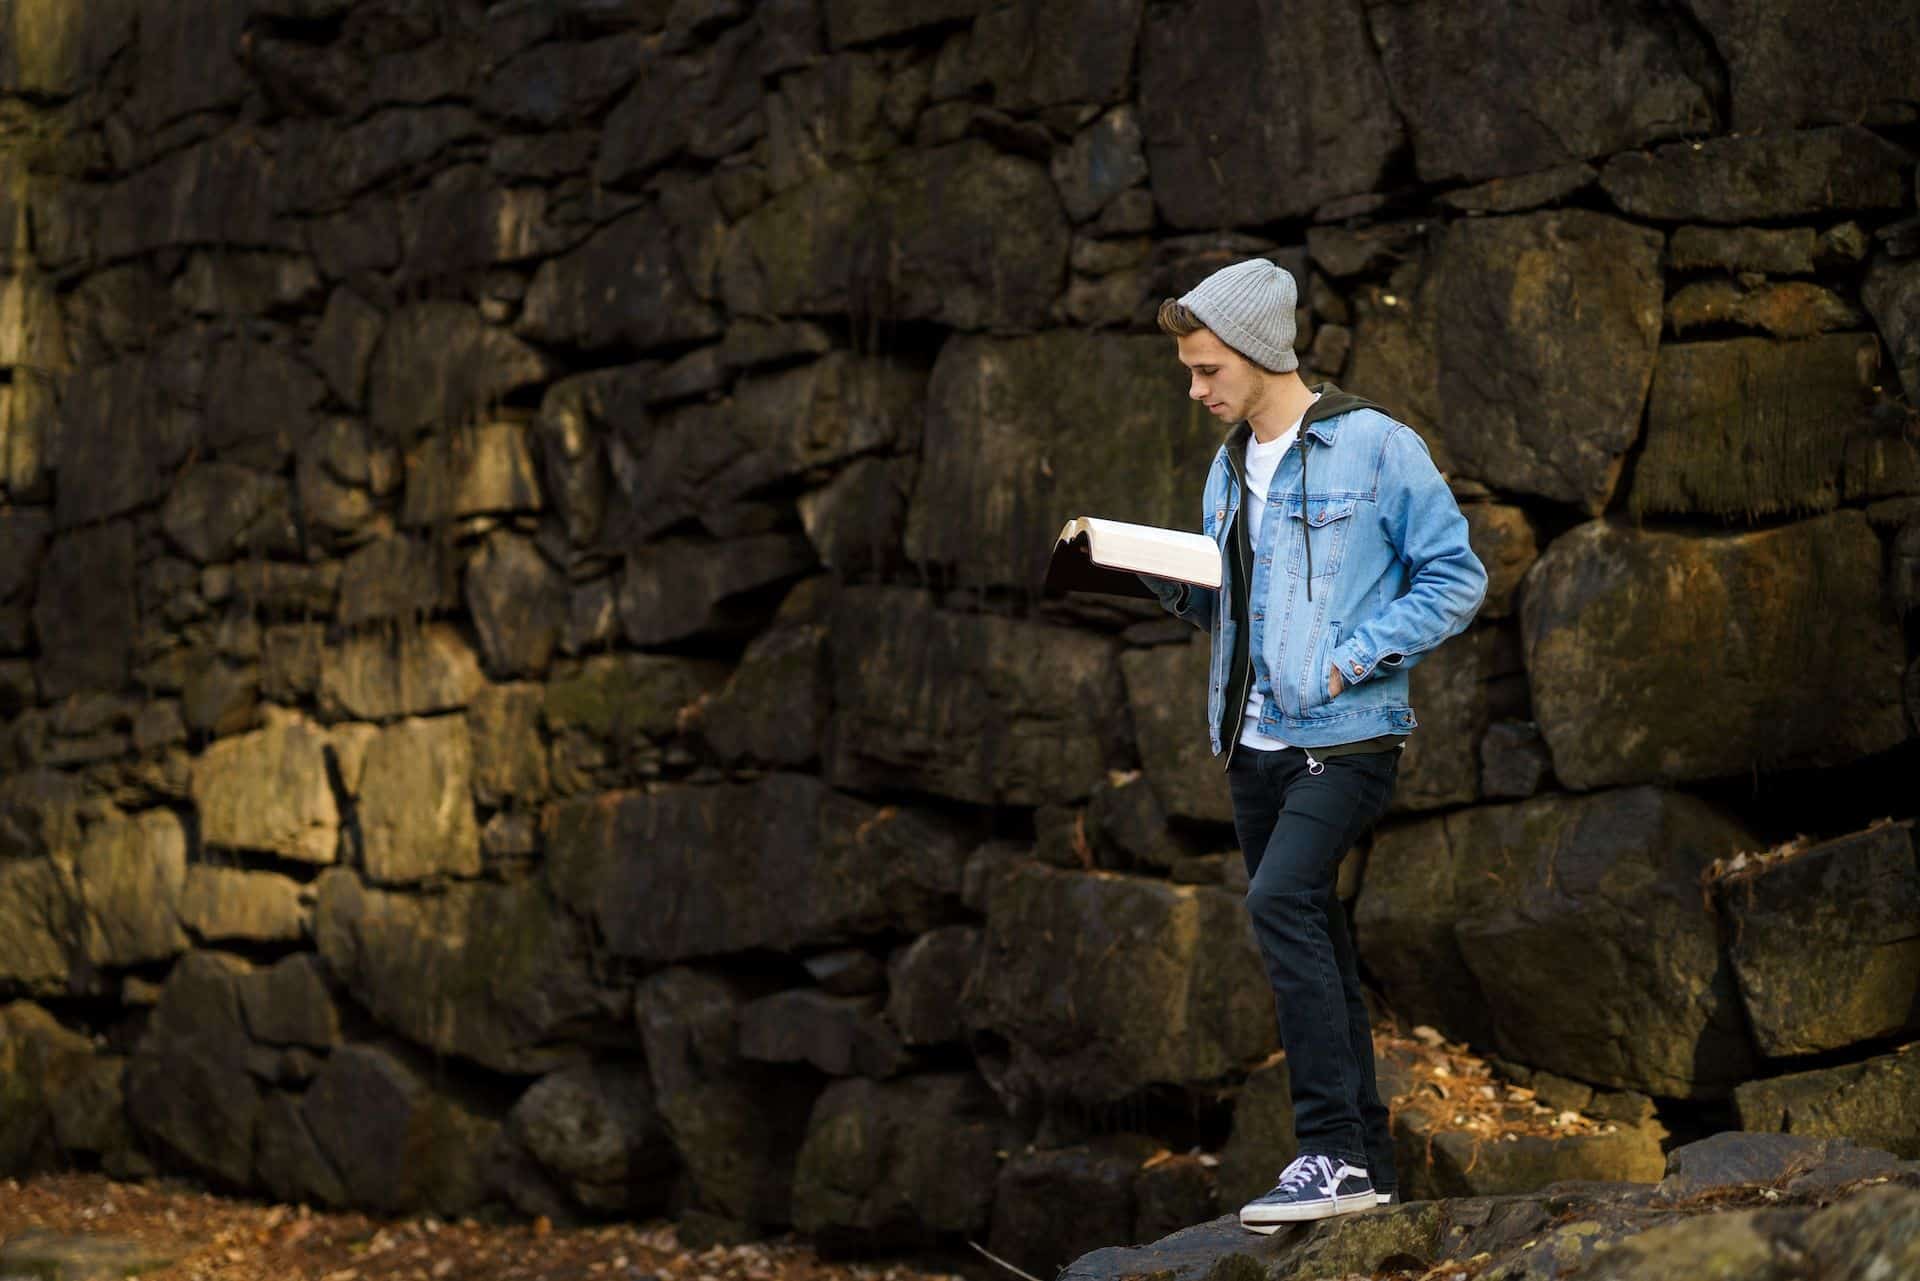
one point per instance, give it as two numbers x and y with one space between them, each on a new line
1262 461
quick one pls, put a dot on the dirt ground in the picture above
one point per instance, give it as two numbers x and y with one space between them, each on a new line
213 1238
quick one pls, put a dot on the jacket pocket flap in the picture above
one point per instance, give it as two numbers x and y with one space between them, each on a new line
1321 514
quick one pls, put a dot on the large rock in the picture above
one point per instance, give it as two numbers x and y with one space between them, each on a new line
1891 292
128 876
396 576
623 700
1167 694
774 707
416 802
1789 309
1104 159
701 456
403 671
899 1161
49 51
1598 959
1465 1164
1875 1102
289 1003
623 288
1006 458
40 1062
219 511
439 365
1804 62
214 192
232 904
962 235
29 423
975 707
595 1128
1011 47
1785 1162
1053 1204
1330 122
1466 919
1599 1232
1504 540
737 1126
1079 1026
706 102
1395 351
1748 427
324 165
1448 690
860 21
36 928
260 402
1658 657
1823 942
671 590
86 637
1760 176
1435 1155
23 537
269 791
682 872
519 604
491 973
398 1145
288 1160
557 83
1262 1140
188 1091
476 471
1492 89
509 758
839 1035
926 984
1546 328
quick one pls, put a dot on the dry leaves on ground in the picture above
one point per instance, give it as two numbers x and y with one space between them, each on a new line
212 1238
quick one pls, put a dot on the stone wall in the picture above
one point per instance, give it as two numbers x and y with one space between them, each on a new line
518 536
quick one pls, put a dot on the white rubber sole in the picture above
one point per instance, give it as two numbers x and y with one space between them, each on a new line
1268 1219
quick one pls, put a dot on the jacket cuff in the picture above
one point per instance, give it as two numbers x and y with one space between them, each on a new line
1355 664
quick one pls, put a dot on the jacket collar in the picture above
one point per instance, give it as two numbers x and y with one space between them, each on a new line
1321 421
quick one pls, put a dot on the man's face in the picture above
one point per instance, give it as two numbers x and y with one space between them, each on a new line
1227 383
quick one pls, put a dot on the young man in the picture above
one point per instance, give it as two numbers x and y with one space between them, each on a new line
1344 560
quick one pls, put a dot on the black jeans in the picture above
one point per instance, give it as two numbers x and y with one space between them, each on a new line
1294 826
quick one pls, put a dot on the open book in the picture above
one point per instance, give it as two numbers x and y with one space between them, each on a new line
1094 555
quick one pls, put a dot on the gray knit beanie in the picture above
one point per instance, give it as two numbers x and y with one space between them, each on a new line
1249 306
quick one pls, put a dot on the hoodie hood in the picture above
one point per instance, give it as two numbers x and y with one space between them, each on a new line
1332 403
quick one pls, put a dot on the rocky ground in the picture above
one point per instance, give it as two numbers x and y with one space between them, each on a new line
93 1226
1735 1207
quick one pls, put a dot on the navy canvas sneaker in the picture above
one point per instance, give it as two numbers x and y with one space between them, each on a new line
1311 1187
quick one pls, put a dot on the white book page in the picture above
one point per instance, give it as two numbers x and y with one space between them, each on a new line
1148 549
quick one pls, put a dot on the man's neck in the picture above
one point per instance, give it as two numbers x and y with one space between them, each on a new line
1286 401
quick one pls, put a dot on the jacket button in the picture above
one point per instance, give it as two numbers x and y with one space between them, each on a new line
1356 669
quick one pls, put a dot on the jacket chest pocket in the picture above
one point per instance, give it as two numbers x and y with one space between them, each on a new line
1326 524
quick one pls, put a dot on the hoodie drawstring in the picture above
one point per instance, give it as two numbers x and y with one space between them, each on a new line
1306 516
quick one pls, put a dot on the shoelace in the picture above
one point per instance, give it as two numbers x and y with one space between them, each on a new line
1299 1172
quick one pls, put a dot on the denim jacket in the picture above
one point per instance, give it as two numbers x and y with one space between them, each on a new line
1357 498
